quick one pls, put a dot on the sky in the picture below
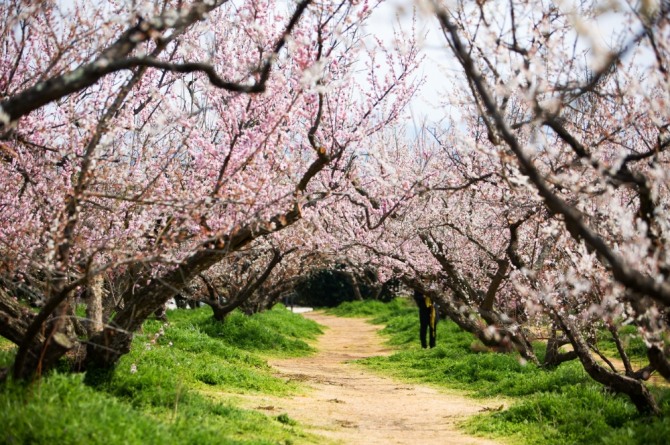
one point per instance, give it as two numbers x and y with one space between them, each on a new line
600 33
393 13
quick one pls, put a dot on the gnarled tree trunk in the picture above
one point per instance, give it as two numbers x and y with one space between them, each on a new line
554 357
105 348
95 296
633 388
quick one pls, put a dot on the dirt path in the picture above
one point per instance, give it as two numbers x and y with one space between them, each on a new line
353 406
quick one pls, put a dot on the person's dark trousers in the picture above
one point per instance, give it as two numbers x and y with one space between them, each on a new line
427 320
424 320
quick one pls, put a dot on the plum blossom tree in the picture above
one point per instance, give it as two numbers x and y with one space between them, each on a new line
242 279
146 148
448 233
553 200
145 142
579 123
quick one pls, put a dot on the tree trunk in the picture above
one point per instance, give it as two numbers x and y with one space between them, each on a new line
351 279
45 351
634 389
105 348
511 336
219 313
659 360
14 318
14 322
554 357
95 294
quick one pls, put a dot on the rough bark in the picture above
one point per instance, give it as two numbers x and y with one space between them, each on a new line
106 347
554 357
351 279
95 296
659 361
496 282
14 318
634 389
48 336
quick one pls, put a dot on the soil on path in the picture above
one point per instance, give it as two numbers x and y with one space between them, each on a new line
351 405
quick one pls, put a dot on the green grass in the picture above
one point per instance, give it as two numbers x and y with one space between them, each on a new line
630 339
372 308
170 389
277 332
61 409
7 352
559 406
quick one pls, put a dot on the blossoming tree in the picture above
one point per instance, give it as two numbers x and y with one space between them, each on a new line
144 142
575 126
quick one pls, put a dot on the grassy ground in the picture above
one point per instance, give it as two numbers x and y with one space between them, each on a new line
161 391
561 406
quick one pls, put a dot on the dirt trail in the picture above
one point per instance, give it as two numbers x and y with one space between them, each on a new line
353 406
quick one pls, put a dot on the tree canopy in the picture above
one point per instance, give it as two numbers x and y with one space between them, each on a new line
223 150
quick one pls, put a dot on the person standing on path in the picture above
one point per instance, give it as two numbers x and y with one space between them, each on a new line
427 319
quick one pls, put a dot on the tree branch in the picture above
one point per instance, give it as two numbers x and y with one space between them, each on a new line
640 283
